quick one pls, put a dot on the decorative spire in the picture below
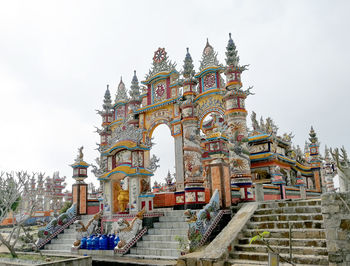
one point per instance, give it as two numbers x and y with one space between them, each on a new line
232 58
209 57
121 92
312 134
188 66
107 102
160 63
135 88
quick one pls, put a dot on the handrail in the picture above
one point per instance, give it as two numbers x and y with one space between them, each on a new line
127 247
56 226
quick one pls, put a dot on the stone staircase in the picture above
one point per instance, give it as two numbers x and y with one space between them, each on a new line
308 234
160 241
63 242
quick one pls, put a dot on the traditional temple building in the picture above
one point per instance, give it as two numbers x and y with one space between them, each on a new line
213 147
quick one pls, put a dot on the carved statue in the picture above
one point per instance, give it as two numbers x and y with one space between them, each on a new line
343 165
127 231
80 156
86 230
154 163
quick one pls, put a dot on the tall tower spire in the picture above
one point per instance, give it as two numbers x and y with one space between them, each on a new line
107 101
315 158
237 123
232 59
134 88
188 65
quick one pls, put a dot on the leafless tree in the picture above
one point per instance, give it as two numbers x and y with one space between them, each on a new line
16 196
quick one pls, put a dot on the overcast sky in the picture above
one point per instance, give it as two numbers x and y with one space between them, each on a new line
56 58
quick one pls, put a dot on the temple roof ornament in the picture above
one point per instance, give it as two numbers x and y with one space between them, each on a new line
313 138
209 57
161 63
232 58
188 67
134 88
121 95
107 101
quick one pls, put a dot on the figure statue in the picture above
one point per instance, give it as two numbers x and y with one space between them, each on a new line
80 154
85 230
343 165
127 231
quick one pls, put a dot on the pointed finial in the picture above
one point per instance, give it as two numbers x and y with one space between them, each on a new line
134 72
230 35
187 49
107 86
207 41
121 78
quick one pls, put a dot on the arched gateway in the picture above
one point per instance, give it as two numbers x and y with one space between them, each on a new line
182 100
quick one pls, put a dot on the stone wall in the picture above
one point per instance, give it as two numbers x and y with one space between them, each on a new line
336 215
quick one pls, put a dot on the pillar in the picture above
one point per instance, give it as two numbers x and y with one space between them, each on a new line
194 188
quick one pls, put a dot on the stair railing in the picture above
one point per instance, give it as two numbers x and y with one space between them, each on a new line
56 226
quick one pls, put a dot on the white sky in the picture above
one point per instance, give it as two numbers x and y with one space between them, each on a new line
56 58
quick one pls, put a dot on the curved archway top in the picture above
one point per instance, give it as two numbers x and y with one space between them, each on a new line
218 110
157 123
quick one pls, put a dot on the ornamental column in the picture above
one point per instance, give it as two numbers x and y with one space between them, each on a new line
80 188
315 159
235 116
194 188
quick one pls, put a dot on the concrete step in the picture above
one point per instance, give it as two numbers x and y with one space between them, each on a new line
69 231
293 210
66 236
285 242
287 217
172 219
152 257
58 247
296 233
293 203
158 244
283 249
163 238
66 241
285 225
301 259
158 231
237 262
171 225
155 252
55 252
177 213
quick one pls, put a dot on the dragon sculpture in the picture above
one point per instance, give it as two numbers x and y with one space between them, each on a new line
85 230
198 223
127 231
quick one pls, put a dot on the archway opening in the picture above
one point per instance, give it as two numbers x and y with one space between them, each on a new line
164 149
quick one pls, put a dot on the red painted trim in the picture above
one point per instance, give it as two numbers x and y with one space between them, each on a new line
217 79
149 99
200 85
168 90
